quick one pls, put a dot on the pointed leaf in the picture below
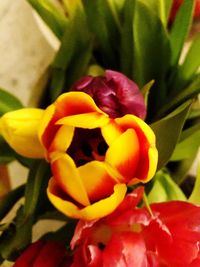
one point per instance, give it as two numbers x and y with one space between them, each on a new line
150 49
53 17
180 29
192 60
7 154
188 145
8 102
10 200
73 56
126 51
167 131
165 189
189 92
195 196
105 28
161 7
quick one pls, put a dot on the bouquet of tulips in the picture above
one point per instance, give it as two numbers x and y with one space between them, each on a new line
110 145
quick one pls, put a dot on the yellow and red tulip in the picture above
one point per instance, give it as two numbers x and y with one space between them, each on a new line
94 149
93 157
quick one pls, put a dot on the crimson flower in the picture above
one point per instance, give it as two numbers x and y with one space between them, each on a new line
44 254
113 93
131 236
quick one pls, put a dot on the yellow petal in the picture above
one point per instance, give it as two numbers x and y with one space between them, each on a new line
74 103
67 176
96 179
123 154
111 132
46 129
62 139
20 129
95 211
153 160
131 121
87 120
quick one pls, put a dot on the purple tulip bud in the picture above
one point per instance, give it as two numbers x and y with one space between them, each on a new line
113 93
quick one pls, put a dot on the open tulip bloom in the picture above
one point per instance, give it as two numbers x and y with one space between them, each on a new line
93 157
109 149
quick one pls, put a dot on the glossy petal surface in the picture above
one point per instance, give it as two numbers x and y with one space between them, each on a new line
19 128
97 182
67 176
91 212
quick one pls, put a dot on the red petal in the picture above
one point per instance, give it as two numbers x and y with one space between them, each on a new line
28 257
51 255
125 250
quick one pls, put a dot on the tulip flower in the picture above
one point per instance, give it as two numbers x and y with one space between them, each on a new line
131 236
113 93
44 253
93 156
19 128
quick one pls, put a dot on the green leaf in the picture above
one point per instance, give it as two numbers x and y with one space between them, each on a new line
36 187
16 237
195 196
167 131
73 57
126 49
19 233
165 189
151 54
180 29
7 154
8 102
188 145
179 169
192 60
54 18
146 89
10 200
106 29
175 99
160 7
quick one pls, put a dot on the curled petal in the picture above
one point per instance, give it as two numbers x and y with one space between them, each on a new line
68 178
148 153
97 210
74 103
97 182
87 120
19 128
62 140
124 250
47 129
123 154
68 104
111 132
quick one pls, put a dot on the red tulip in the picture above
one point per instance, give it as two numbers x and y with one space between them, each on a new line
44 254
113 93
131 236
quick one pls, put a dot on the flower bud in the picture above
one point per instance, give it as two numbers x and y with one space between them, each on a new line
20 130
113 93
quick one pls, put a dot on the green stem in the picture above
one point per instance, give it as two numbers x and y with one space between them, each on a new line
145 200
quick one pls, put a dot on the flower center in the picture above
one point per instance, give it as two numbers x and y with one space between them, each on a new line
87 145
